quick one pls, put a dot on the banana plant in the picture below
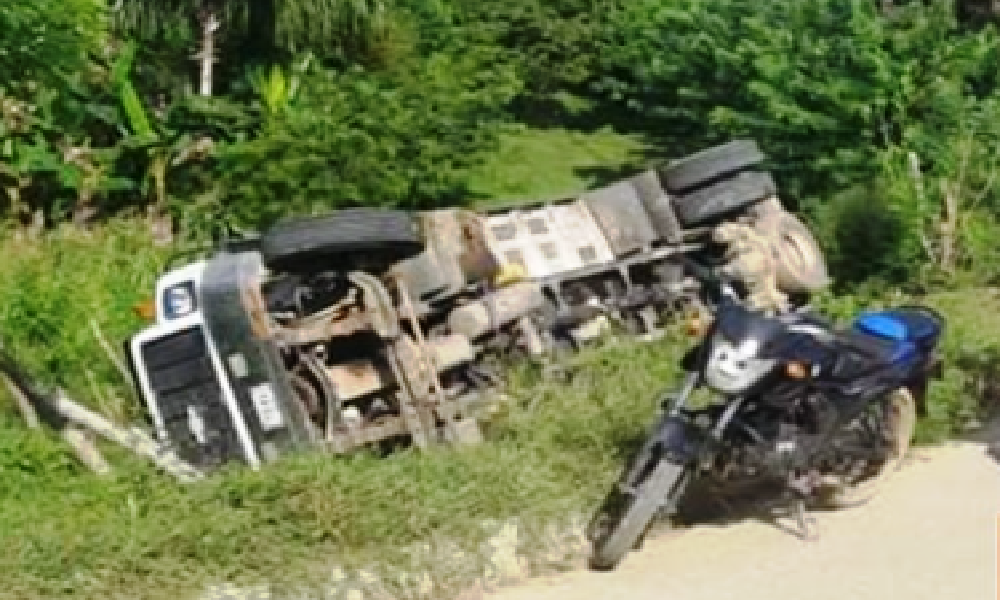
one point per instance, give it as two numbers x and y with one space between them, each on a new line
160 146
277 90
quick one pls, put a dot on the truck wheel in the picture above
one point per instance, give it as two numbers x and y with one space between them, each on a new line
711 164
724 198
298 244
800 264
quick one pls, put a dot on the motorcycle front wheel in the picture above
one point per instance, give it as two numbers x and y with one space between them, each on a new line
625 517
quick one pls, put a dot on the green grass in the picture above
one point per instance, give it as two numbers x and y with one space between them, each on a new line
542 164
553 450
58 294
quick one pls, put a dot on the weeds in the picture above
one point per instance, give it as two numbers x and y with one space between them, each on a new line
554 448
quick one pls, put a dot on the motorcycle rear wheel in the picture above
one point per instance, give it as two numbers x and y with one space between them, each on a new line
623 521
900 416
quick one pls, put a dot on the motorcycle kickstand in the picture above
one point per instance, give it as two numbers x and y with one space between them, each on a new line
800 489
807 525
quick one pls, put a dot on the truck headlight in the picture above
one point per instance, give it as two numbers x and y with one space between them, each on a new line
179 300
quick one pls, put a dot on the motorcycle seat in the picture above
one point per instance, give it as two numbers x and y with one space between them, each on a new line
916 325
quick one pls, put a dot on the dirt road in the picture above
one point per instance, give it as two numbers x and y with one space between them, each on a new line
929 536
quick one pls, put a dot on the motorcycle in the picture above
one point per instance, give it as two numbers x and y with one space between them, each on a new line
826 413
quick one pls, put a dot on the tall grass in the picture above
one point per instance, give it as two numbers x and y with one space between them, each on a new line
553 450
60 295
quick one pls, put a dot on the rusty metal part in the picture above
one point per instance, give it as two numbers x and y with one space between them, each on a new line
307 395
799 262
750 258
462 234
355 379
450 351
315 331
358 378
334 322
426 366
456 255
329 396
308 403
377 305
252 297
478 318
377 314
346 439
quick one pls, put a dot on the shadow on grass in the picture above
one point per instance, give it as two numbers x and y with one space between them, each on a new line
582 111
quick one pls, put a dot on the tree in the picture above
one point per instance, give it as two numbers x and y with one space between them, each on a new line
45 60
46 39
261 29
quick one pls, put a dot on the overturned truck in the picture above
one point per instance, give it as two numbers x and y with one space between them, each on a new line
366 326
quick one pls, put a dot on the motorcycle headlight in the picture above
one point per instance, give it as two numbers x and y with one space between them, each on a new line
734 368
179 300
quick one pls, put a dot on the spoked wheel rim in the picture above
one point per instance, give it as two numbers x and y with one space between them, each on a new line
900 418
625 518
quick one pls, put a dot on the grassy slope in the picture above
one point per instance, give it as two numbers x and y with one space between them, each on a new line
536 164
66 534
554 449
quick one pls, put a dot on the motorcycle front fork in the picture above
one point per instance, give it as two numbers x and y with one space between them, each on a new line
676 405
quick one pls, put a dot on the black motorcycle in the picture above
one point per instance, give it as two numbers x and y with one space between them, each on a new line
826 413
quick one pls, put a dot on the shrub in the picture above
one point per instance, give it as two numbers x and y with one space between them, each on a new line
840 96
361 138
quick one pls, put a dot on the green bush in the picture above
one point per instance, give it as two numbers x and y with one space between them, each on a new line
59 294
359 138
839 95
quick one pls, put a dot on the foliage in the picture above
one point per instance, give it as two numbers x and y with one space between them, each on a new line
46 40
838 94
554 44
59 292
555 448
46 68
345 29
355 138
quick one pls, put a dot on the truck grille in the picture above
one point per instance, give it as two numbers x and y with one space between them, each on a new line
189 398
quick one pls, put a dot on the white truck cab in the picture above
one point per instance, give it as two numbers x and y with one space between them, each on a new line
199 368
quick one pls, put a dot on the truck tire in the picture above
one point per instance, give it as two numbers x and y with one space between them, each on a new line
724 198
709 165
800 264
298 244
